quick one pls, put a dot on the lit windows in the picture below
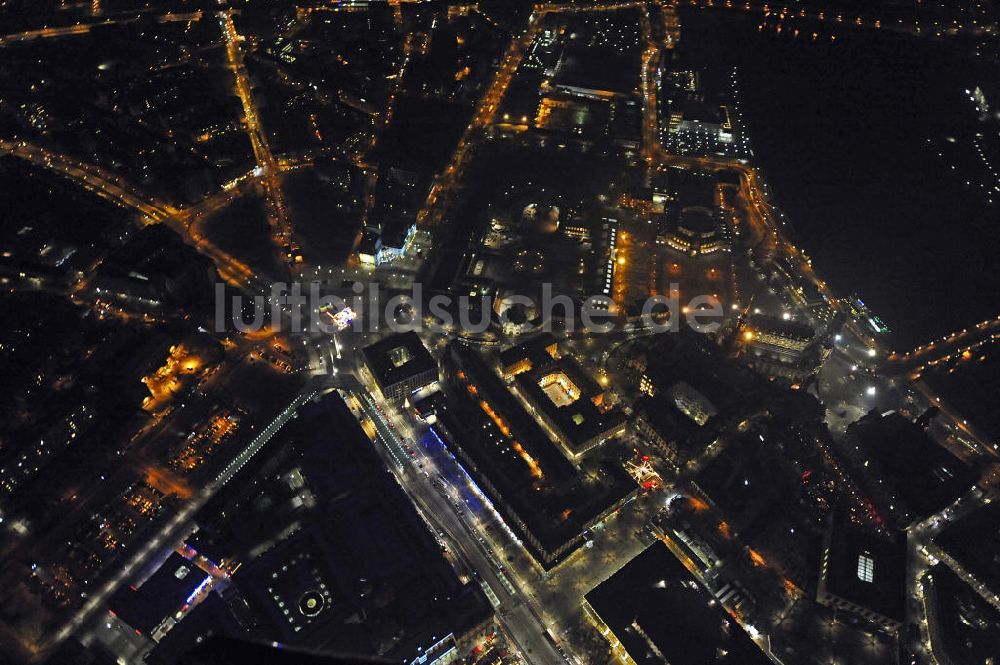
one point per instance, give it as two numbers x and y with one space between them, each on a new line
866 567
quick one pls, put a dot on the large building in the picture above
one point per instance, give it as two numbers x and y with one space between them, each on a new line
568 402
686 209
653 611
864 574
971 547
678 423
400 365
550 502
152 606
905 473
779 348
963 628
694 230
595 72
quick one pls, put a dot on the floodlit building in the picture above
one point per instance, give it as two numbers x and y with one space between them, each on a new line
567 401
694 232
779 348
368 248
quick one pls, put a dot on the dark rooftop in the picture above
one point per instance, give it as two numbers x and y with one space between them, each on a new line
697 220
144 606
536 350
964 626
673 425
868 570
690 357
974 542
593 68
654 602
397 358
691 188
922 476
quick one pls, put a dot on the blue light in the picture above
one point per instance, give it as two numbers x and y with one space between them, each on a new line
198 589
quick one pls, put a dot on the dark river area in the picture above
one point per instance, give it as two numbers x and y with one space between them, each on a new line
858 138
880 159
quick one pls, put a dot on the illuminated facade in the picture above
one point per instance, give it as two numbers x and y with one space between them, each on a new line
695 233
570 405
780 348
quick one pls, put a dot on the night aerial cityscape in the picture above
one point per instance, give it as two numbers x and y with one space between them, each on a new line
579 332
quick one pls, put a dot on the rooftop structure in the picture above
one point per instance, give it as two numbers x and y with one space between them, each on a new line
589 74
657 612
964 629
399 365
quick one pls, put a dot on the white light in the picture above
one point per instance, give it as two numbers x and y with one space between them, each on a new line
872 352
870 391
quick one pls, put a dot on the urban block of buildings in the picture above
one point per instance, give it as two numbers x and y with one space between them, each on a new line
549 501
